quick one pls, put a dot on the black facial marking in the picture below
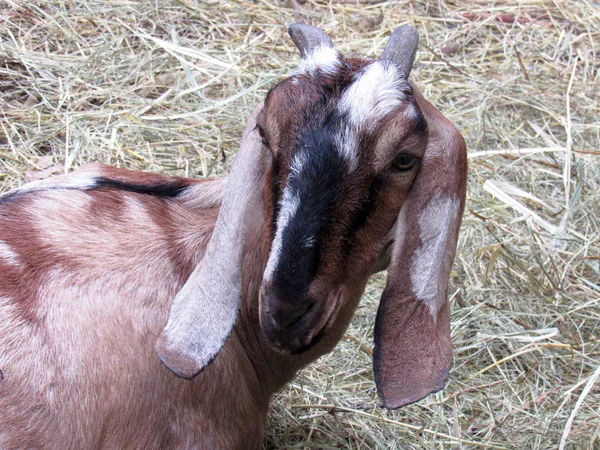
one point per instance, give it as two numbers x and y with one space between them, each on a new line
316 186
157 190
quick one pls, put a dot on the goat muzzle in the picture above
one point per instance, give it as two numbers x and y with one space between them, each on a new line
295 324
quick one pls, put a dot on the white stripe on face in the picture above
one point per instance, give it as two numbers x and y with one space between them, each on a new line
430 263
287 209
323 57
346 142
377 91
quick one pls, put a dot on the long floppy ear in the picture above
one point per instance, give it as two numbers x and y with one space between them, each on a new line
204 311
413 351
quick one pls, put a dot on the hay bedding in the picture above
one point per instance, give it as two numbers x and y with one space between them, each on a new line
166 86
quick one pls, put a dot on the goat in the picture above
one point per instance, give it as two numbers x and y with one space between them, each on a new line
343 171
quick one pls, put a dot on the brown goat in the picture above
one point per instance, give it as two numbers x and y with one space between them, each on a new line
344 170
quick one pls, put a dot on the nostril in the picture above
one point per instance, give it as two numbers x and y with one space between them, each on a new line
300 316
286 316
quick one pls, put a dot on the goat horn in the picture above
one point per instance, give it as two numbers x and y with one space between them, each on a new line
402 48
307 38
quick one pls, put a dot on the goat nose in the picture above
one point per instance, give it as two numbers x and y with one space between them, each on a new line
285 312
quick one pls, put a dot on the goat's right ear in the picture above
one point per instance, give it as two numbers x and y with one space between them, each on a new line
205 310
413 351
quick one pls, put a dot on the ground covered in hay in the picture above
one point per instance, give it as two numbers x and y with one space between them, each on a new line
166 86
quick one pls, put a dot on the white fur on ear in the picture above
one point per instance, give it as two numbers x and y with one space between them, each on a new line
205 310
437 221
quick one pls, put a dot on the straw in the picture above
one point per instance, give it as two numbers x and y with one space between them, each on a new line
166 86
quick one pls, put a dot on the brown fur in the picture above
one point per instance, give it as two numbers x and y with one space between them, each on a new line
93 276
79 315
97 272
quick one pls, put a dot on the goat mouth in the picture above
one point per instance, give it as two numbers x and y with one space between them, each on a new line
306 332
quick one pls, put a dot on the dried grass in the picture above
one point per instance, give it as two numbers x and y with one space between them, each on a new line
166 86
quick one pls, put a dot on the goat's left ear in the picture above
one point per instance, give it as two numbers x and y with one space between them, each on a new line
413 351
204 311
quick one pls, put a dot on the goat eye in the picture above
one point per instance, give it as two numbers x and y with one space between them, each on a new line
404 161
